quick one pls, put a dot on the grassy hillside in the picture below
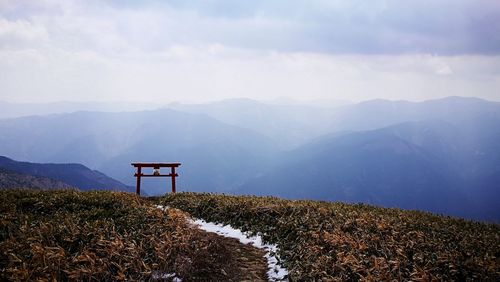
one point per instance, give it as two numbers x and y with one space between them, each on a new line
10 179
71 235
110 236
342 242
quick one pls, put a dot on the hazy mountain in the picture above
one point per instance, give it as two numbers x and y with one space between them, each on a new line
14 110
291 124
432 165
375 114
74 175
320 103
214 155
288 124
11 179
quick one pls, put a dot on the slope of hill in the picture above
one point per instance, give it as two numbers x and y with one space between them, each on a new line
103 235
322 241
10 179
112 236
75 175
433 165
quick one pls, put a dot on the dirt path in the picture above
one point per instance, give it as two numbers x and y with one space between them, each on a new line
230 260
248 263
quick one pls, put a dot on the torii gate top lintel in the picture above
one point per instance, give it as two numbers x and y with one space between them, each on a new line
156 173
156 164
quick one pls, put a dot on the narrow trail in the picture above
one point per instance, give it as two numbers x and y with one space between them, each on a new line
249 263
275 271
246 262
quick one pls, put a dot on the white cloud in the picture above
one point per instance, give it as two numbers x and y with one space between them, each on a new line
21 34
89 50
203 73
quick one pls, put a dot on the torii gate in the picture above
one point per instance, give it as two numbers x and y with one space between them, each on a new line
156 173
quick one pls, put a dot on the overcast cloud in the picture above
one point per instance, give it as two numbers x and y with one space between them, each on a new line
206 50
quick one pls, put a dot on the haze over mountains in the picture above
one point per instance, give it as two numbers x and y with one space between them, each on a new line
14 110
439 155
428 165
214 154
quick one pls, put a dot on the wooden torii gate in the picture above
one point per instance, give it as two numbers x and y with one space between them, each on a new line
156 173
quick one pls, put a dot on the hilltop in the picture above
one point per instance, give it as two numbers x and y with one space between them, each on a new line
107 235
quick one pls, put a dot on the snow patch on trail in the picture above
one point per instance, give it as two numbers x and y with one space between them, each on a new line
276 272
161 276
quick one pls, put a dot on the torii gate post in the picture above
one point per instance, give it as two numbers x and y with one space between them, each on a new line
156 173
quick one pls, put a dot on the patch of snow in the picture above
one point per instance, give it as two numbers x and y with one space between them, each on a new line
158 276
275 272
163 208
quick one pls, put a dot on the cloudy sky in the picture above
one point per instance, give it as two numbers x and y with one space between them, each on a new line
195 51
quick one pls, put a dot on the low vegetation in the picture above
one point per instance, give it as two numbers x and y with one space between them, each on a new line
344 242
70 235
106 236
10 179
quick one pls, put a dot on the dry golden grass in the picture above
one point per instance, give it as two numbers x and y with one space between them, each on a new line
105 236
343 242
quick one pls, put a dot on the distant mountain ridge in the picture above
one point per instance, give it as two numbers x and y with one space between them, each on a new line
16 110
288 125
294 125
374 114
72 175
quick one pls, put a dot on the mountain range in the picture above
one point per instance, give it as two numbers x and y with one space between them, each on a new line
437 155
14 110
50 176
432 165
215 156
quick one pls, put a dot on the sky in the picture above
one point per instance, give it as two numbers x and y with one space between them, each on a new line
198 51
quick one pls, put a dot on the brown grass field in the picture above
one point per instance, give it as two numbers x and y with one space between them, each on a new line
109 236
322 241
